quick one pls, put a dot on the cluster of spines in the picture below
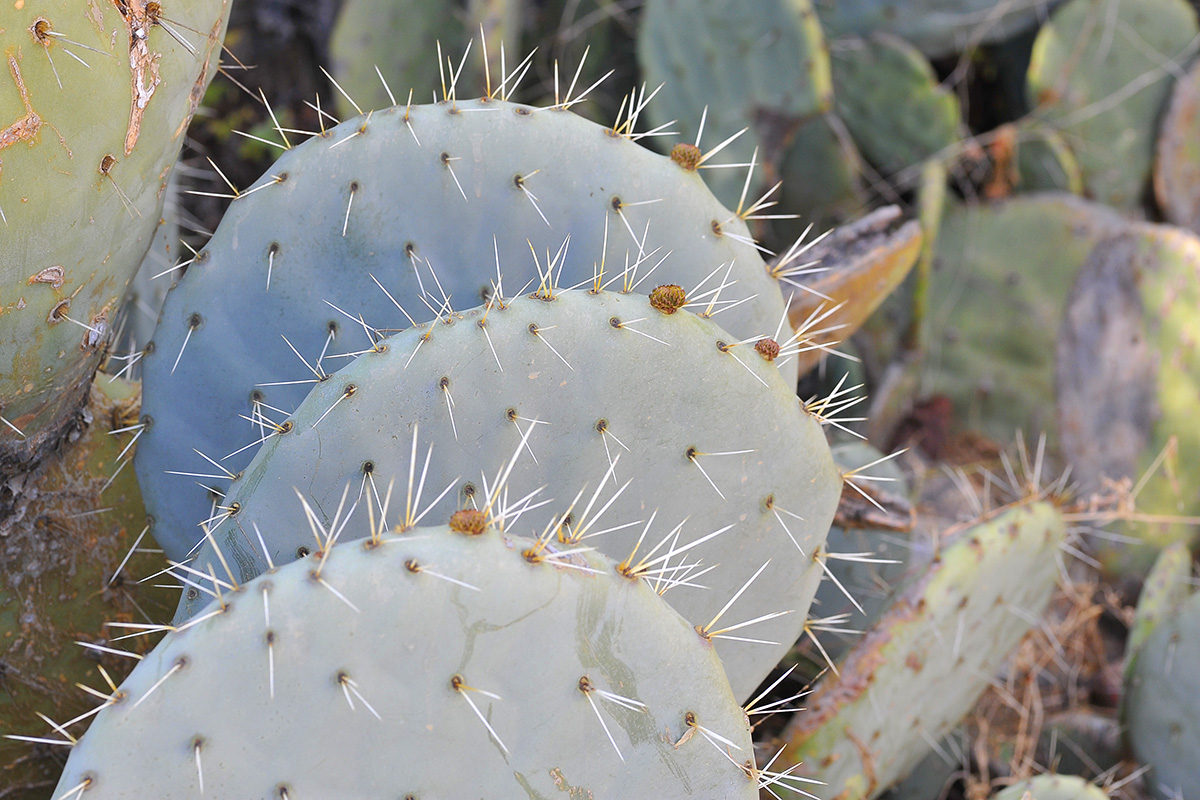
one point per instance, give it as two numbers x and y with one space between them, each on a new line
471 522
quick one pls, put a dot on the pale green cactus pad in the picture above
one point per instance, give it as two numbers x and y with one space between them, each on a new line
1117 58
94 102
889 97
930 656
1052 787
1162 703
707 438
1127 366
425 208
1165 589
428 664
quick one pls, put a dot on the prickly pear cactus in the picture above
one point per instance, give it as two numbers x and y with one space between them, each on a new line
148 289
94 102
1052 787
707 435
479 197
876 560
863 262
1128 331
488 664
762 66
889 97
1177 157
937 27
398 38
1101 71
1020 255
930 656
1044 162
1162 702
1165 589
822 174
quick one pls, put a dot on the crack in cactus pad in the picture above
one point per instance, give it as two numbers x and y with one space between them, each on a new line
761 65
1101 72
83 165
706 438
425 665
649 394
930 656
366 200
1053 787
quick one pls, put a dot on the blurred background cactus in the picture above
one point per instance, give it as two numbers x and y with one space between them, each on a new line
1010 199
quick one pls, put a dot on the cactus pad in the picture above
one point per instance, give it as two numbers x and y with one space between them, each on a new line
60 550
1165 589
1177 159
1053 787
1162 702
477 672
708 435
1014 260
398 38
94 102
1128 333
930 656
472 189
938 27
1117 58
761 66
889 97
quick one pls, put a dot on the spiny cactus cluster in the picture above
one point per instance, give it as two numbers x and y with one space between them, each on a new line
471 437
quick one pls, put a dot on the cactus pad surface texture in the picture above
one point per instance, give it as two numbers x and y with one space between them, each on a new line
762 66
398 217
929 657
432 663
1086 54
94 102
604 390
1161 707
